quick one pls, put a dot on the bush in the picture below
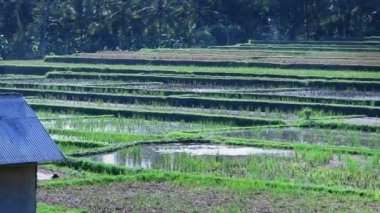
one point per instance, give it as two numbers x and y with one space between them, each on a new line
307 112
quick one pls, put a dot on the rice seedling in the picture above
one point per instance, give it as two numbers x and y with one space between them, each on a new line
305 166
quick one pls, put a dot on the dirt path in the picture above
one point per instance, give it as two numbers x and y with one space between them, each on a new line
164 197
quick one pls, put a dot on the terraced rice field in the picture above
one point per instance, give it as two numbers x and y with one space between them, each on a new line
352 95
252 127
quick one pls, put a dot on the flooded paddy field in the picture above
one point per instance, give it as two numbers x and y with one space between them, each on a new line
299 166
311 136
152 155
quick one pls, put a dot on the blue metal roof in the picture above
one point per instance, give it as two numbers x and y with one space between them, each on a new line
23 139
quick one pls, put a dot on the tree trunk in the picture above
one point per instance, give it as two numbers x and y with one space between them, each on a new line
45 20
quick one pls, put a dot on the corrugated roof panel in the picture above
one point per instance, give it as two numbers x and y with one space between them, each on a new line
23 139
14 107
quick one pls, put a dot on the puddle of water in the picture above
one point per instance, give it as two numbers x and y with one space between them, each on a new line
146 156
211 149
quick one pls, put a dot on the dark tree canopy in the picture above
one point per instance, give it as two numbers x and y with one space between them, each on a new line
33 28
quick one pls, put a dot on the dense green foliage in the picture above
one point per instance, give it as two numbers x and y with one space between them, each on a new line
34 28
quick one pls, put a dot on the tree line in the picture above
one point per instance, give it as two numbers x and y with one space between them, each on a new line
34 28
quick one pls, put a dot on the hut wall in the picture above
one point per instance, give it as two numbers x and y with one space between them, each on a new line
18 188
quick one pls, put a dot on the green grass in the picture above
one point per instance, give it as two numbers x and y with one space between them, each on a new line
327 48
133 126
107 137
47 208
340 124
191 69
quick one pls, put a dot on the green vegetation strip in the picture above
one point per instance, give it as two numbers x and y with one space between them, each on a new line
41 68
242 185
187 117
340 125
358 41
193 70
236 95
78 59
47 208
84 144
328 48
236 81
74 117
198 101
102 137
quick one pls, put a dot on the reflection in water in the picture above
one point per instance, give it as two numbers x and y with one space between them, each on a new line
109 159
149 156
211 149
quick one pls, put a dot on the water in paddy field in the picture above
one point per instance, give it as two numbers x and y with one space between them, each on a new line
311 136
147 155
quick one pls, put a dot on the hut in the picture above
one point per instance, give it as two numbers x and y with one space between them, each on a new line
24 143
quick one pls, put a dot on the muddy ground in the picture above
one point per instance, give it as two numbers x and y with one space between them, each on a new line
165 197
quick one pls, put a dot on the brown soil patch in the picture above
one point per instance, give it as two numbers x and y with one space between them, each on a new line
165 197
